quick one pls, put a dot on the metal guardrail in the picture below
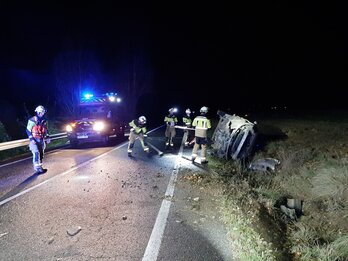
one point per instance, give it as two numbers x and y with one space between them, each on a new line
23 142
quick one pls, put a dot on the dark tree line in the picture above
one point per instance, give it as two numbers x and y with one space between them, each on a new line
74 72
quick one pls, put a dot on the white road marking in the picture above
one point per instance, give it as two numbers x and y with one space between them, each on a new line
63 173
59 175
153 246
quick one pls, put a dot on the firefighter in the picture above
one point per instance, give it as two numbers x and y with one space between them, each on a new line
187 122
171 120
201 124
38 137
138 130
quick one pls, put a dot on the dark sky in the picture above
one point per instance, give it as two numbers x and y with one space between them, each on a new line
256 55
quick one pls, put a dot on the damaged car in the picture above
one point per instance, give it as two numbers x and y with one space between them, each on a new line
234 137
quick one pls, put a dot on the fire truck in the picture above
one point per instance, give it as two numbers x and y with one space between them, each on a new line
99 120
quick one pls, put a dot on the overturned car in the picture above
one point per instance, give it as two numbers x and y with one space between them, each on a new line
234 137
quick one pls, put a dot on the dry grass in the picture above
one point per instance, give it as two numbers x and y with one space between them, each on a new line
246 241
314 168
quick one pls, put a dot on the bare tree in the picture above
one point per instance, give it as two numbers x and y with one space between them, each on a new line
136 78
74 71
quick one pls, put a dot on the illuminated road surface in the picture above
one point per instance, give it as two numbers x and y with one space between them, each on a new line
96 203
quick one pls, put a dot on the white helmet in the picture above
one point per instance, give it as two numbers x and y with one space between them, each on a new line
41 109
173 110
204 109
188 111
142 120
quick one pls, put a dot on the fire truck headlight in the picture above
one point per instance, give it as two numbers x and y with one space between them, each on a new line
98 126
68 128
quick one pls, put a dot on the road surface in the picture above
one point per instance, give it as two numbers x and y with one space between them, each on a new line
96 203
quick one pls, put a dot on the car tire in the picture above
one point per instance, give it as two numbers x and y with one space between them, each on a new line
74 143
106 140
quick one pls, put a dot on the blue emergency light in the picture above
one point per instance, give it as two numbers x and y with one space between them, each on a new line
87 96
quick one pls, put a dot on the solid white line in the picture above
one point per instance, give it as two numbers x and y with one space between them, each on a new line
60 175
65 172
153 246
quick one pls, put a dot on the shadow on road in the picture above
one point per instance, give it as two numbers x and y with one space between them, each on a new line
19 187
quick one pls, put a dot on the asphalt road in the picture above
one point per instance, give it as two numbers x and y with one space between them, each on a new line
96 203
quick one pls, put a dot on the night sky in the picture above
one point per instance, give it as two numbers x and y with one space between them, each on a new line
238 57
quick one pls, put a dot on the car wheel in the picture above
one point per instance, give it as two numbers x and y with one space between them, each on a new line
106 140
74 143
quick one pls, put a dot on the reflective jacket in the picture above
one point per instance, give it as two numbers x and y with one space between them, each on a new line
171 120
37 128
187 121
201 124
138 128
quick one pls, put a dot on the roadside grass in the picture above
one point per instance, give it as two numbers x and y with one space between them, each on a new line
238 208
246 241
313 167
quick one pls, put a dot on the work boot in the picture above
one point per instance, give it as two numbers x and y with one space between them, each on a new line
204 160
40 171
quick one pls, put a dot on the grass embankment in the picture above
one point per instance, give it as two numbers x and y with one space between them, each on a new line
313 168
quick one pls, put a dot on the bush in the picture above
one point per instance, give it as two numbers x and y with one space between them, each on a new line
3 134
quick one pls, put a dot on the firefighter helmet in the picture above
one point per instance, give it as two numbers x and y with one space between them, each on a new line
40 109
173 110
188 111
204 109
142 120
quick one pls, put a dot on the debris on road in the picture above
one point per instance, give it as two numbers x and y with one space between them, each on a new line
74 230
3 234
50 241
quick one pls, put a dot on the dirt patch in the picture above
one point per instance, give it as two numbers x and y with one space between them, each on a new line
274 230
